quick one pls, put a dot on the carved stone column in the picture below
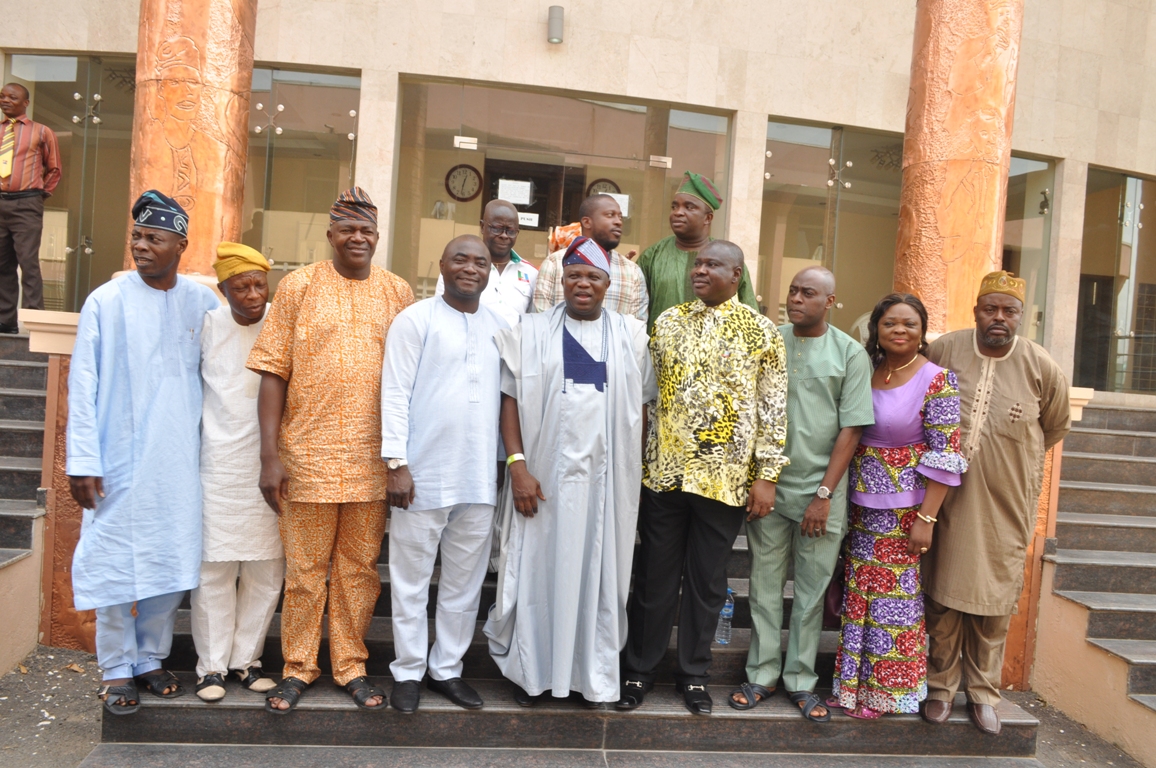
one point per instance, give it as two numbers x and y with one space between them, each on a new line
194 72
956 152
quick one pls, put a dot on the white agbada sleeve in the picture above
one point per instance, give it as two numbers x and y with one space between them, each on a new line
403 347
84 459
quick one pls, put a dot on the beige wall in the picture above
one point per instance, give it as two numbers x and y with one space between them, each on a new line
20 603
1085 93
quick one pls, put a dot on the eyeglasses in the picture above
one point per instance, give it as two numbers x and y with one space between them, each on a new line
498 231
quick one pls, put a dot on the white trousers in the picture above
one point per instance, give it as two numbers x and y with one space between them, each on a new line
231 612
127 645
463 531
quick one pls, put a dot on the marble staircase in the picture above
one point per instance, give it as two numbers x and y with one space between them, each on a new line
23 381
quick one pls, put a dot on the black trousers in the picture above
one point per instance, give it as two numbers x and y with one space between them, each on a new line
21 223
686 540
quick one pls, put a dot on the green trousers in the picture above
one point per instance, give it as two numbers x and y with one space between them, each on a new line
774 541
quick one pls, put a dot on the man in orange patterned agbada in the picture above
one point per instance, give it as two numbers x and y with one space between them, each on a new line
319 356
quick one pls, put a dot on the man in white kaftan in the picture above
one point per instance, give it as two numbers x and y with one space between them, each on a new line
440 394
134 400
574 382
243 563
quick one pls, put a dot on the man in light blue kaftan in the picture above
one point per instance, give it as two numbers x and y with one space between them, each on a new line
134 405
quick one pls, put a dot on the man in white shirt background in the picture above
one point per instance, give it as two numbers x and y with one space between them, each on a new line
512 278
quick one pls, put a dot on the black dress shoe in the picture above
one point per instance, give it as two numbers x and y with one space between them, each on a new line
697 698
456 690
523 699
405 696
12 329
633 694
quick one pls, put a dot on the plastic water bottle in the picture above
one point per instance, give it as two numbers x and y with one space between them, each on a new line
722 635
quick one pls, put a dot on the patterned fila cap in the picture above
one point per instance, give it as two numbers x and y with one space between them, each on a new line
585 251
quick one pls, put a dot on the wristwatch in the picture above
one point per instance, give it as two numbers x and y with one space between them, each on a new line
823 493
396 463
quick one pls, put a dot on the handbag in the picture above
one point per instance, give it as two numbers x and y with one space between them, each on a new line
833 600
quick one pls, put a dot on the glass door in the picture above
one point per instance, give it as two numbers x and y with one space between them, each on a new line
88 102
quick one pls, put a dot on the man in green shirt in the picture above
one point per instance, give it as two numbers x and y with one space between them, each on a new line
667 264
828 404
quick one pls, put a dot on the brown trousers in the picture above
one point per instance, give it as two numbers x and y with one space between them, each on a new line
964 648
21 223
341 541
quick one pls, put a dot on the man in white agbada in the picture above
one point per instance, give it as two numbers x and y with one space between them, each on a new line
440 395
243 563
574 383
134 401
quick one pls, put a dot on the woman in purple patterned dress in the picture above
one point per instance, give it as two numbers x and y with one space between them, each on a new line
899 476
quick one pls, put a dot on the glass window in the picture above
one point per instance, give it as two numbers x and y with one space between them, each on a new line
88 102
811 216
302 141
545 152
1116 320
831 197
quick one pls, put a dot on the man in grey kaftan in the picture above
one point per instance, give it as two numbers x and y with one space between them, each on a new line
564 573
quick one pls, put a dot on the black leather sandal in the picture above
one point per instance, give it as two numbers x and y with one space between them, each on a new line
114 695
156 682
289 691
361 691
754 693
808 702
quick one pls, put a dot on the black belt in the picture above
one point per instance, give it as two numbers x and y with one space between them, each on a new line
21 193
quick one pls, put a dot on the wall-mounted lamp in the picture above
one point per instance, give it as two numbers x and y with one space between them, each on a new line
554 24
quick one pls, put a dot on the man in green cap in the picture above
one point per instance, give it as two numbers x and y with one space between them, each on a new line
667 264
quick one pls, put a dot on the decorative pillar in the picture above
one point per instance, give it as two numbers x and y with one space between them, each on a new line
956 153
194 72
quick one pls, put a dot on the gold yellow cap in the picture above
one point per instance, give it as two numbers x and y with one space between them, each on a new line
234 259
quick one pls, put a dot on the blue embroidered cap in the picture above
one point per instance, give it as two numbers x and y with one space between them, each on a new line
159 211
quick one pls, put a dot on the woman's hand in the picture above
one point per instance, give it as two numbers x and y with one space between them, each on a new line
920 539
527 489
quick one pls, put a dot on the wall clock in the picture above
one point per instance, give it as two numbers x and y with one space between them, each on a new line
463 183
602 187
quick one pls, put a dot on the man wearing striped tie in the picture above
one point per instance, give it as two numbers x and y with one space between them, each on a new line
29 172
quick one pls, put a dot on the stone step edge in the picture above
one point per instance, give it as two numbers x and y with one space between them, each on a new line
1144 699
10 556
1088 485
1101 557
20 508
1112 457
1110 432
1089 600
1106 521
12 392
662 702
1140 653
21 464
21 425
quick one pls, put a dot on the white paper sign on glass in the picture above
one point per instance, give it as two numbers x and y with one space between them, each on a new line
516 192
623 203
527 219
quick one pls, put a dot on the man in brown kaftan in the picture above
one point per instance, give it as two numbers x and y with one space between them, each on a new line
1014 408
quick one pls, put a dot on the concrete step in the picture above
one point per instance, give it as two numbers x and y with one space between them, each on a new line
23 439
738 563
1141 658
1115 441
1145 699
24 374
10 556
22 404
19 477
1099 498
1118 418
1126 616
270 756
1109 468
1104 571
16 520
15 347
1132 533
727 668
327 716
